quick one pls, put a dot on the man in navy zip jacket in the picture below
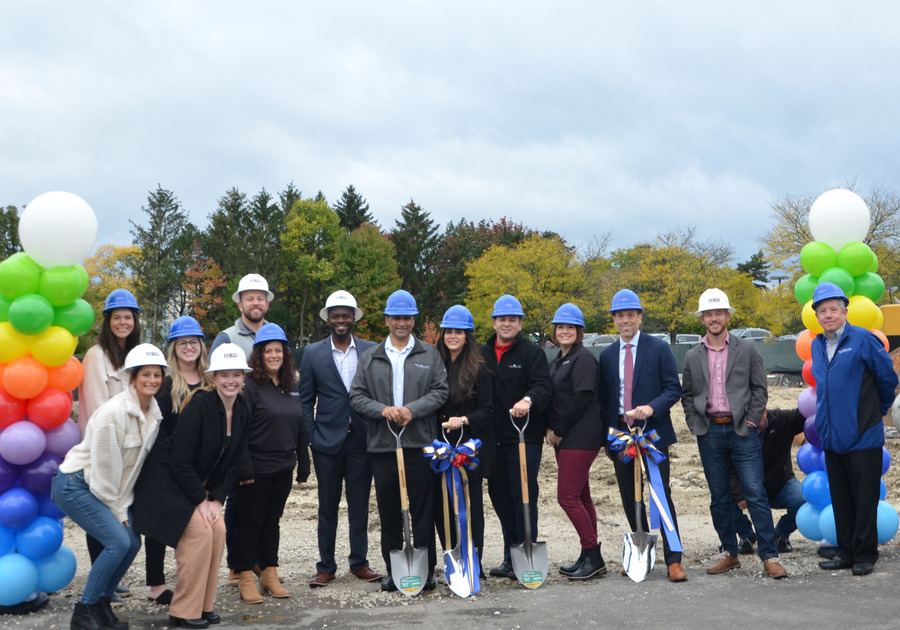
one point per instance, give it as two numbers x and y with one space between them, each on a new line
855 383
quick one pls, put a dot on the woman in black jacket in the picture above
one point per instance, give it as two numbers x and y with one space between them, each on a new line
469 410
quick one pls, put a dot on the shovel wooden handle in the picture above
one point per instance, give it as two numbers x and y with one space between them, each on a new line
523 473
401 473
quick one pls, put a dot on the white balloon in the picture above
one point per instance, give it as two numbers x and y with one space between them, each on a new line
839 217
58 228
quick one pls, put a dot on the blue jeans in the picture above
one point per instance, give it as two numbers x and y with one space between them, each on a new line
790 498
720 449
120 544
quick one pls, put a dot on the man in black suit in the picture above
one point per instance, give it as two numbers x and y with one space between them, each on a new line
337 436
655 388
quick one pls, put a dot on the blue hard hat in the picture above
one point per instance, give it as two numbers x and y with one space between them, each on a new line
185 326
458 317
626 300
507 305
568 313
120 298
269 332
828 291
401 303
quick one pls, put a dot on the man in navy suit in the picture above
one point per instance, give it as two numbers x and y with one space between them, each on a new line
655 388
337 436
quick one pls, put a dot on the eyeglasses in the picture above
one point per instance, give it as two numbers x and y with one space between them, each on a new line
187 343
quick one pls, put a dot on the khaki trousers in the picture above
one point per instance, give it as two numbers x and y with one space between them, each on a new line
198 556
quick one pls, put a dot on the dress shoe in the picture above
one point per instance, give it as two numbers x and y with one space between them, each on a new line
783 545
774 569
829 553
366 574
863 568
211 617
593 565
320 579
835 564
725 563
745 547
430 584
504 570
387 585
569 569
124 591
188 623
676 573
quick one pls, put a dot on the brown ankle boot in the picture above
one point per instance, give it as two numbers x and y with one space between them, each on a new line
233 577
270 583
247 587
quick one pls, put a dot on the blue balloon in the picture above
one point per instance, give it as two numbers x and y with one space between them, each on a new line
808 522
39 538
827 526
885 460
888 522
883 494
809 458
55 572
46 507
18 507
816 489
6 540
18 579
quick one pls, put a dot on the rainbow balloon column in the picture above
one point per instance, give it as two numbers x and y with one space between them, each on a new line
41 318
839 221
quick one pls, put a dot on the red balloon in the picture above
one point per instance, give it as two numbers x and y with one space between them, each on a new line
12 409
50 408
807 373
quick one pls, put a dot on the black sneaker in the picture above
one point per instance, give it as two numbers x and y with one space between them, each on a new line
387 585
783 545
745 547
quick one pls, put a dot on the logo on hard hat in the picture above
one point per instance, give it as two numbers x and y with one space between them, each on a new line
230 355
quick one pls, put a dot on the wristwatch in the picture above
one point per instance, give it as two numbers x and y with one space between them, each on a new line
527 399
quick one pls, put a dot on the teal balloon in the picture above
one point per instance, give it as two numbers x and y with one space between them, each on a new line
61 285
870 285
19 275
18 579
855 258
803 289
77 317
31 314
816 257
5 303
840 277
55 572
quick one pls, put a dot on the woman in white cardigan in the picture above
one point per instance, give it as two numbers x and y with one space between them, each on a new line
95 483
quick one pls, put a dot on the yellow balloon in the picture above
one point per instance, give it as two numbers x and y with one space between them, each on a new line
809 318
13 344
54 346
862 312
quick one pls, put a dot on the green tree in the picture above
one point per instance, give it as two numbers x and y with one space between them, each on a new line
353 210
204 283
757 268
227 237
108 269
415 237
9 232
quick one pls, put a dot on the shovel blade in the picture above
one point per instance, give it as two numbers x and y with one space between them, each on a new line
409 569
453 573
530 563
639 555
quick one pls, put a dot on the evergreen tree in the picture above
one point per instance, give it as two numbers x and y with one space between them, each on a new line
415 237
226 239
757 268
9 232
353 210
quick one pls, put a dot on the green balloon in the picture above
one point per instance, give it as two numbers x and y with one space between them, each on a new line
76 317
816 257
83 274
855 258
870 285
4 307
31 314
803 289
61 285
873 266
840 277
19 275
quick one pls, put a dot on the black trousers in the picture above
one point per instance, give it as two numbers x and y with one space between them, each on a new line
347 468
420 485
258 509
155 553
476 510
625 477
505 490
855 488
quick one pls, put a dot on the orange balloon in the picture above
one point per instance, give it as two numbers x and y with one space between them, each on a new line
67 376
804 344
25 378
882 337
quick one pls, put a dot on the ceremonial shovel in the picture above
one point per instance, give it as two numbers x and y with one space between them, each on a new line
529 559
409 567
639 550
453 569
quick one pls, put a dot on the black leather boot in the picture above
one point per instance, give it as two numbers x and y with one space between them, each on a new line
108 616
87 617
593 565
569 569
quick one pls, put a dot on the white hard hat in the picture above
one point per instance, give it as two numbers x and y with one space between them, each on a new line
252 282
713 300
228 356
145 354
340 298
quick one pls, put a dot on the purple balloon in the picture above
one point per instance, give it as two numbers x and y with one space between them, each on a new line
9 475
22 443
37 476
62 438
809 430
806 402
18 507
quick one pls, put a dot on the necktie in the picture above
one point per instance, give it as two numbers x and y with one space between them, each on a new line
629 379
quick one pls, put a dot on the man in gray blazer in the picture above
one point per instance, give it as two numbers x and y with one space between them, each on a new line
337 436
725 395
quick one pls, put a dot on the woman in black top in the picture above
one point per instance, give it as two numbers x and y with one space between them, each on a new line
468 410
277 440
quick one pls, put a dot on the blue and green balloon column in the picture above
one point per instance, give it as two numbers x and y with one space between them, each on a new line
839 221
41 317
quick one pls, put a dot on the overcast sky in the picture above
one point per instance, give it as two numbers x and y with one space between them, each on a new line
583 117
